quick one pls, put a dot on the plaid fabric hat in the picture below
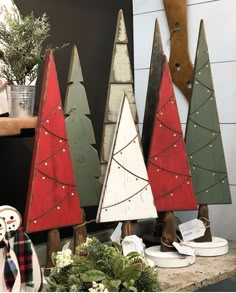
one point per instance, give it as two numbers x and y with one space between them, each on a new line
10 269
23 251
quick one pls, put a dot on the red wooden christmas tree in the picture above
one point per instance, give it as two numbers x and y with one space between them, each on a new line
52 199
167 165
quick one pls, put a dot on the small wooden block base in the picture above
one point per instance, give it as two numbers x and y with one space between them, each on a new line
168 259
218 246
12 126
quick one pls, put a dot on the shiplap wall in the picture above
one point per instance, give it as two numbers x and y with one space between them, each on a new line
220 25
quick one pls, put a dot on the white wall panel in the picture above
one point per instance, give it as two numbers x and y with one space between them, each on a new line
224 78
228 132
223 218
140 91
142 6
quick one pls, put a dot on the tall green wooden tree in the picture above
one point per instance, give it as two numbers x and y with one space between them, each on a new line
203 135
81 136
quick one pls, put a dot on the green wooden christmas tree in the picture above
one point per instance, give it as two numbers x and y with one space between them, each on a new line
203 136
81 136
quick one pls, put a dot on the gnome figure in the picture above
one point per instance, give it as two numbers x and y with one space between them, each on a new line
20 243
10 280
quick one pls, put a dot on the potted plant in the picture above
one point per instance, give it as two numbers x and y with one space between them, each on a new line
22 52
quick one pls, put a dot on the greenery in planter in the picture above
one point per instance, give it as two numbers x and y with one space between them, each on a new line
97 267
21 42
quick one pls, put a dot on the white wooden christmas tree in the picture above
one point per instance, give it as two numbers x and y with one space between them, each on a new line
126 193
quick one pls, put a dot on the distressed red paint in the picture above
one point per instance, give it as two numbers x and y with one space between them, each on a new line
52 199
168 168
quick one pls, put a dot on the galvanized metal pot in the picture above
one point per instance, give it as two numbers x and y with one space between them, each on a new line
21 100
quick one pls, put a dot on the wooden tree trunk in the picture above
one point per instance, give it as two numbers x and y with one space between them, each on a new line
159 224
80 232
53 245
127 229
169 232
203 215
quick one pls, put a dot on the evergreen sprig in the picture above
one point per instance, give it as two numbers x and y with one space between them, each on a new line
21 41
97 267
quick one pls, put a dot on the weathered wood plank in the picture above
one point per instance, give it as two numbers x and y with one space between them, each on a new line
154 82
181 67
13 126
120 81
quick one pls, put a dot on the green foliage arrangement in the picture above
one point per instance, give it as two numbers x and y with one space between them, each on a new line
97 267
21 42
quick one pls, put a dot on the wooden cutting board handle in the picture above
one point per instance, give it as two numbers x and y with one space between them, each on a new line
180 64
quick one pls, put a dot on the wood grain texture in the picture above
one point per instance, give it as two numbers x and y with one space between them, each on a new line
168 233
81 137
53 245
120 81
80 231
126 193
203 215
52 199
14 126
154 81
168 167
181 67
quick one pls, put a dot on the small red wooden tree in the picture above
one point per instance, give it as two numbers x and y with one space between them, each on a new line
52 199
168 168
